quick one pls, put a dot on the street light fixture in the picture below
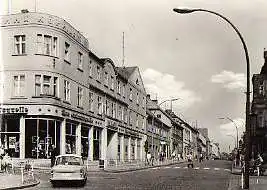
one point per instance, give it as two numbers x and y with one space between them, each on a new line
247 140
235 128
171 100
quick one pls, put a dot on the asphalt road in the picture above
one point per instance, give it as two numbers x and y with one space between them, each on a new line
208 175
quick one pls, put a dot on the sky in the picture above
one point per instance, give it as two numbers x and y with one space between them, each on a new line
197 57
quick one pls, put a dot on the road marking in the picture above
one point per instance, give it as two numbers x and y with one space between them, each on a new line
206 168
227 170
177 167
197 168
216 168
167 167
185 167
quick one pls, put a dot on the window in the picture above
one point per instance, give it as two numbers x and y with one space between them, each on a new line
80 97
106 79
130 118
107 108
90 69
144 102
91 100
99 104
113 110
19 85
261 89
123 90
46 85
67 52
104 107
137 121
66 90
98 71
20 44
125 115
119 87
46 45
119 113
131 94
80 60
122 114
137 98
112 83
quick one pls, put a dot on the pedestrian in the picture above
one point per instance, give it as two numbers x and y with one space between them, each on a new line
148 158
6 162
53 155
190 160
2 153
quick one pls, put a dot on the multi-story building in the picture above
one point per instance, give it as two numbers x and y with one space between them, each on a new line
202 144
159 126
259 111
55 90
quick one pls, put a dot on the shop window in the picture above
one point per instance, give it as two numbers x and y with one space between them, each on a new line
19 85
71 138
96 144
84 141
20 44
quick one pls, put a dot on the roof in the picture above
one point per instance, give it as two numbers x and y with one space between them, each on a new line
126 72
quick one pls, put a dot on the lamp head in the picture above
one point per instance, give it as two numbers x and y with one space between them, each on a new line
183 10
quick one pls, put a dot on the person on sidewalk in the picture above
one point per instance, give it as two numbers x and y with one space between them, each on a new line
148 156
6 162
2 154
190 160
53 155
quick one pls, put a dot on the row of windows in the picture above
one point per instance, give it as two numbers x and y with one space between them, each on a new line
48 45
48 86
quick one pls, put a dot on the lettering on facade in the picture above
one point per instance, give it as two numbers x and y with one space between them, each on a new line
112 125
82 118
13 110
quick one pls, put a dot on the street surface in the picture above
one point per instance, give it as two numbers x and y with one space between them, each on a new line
208 175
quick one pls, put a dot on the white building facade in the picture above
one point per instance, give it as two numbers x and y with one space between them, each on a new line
55 90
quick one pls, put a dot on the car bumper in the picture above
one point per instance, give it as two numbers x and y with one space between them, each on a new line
66 179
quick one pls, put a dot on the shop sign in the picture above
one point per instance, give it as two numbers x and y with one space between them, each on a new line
76 116
13 110
112 125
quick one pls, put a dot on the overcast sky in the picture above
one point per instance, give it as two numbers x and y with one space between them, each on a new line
196 57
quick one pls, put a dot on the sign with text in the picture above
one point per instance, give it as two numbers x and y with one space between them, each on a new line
13 109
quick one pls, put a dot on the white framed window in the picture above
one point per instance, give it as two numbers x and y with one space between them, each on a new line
80 60
46 85
19 85
99 104
91 101
47 45
119 113
67 52
119 87
113 110
66 90
112 83
131 94
20 44
98 72
106 78
80 97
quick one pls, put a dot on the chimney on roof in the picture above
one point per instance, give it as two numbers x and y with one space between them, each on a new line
24 11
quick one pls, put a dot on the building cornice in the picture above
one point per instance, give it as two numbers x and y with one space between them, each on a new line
33 18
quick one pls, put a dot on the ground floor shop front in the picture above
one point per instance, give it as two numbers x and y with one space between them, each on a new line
27 134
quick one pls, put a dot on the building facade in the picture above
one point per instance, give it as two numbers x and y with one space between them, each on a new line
55 90
259 111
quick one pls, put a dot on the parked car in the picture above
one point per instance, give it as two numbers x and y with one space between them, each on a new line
68 168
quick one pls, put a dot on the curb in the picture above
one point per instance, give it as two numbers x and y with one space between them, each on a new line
22 186
137 169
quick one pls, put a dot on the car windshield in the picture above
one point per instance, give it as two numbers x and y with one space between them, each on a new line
68 160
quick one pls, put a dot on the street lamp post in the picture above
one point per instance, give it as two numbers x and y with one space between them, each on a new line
171 100
247 150
235 128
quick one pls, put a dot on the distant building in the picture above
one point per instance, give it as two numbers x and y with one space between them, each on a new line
259 110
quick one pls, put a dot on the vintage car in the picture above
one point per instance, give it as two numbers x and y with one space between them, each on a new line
68 168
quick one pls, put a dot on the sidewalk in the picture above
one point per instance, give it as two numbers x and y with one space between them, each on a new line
13 181
255 183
